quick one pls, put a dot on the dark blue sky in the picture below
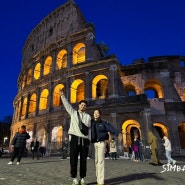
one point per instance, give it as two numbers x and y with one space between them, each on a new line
132 30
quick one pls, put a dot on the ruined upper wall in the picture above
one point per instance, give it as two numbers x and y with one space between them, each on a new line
62 22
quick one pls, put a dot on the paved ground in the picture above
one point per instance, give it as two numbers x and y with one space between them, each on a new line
53 171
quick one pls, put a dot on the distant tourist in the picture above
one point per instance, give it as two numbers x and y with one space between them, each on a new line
168 150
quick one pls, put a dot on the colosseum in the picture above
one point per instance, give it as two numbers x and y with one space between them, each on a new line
61 53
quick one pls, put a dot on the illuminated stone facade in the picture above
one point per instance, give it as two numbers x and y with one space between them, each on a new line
61 53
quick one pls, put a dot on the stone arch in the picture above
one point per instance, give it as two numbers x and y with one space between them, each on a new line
56 137
79 53
32 103
37 71
24 106
130 89
130 128
181 130
56 95
61 61
41 136
100 87
77 91
29 77
43 99
161 129
155 86
47 65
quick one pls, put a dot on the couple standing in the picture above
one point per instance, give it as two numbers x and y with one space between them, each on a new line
79 143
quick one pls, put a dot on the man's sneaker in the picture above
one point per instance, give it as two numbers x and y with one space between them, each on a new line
82 182
174 162
10 163
75 182
18 163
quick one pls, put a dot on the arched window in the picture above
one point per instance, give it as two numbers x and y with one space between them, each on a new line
61 59
79 53
47 65
32 103
24 106
43 99
37 71
130 89
100 87
56 95
29 77
154 87
77 91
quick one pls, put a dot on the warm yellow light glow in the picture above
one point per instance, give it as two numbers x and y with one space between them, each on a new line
77 94
156 86
164 129
24 106
37 71
102 89
47 65
79 53
56 95
32 103
61 59
43 99
126 131
29 77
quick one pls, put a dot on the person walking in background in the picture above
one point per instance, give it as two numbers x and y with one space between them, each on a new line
32 148
141 156
37 149
79 143
64 149
152 141
18 145
168 149
34 145
135 147
42 151
99 134
113 149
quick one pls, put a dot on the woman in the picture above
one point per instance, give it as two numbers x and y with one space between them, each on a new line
99 134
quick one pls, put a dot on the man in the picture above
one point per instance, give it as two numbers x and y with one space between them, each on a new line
168 149
18 144
79 143
152 141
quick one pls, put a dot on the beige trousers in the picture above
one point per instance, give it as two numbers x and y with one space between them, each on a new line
100 161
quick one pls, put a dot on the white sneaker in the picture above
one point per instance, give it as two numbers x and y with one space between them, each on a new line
75 182
174 162
18 163
10 163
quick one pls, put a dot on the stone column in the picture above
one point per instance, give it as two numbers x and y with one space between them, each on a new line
116 126
48 138
112 85
88 87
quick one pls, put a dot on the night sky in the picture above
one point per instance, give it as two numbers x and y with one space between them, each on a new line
131 29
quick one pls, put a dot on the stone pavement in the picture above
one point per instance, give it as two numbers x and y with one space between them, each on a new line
53 171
